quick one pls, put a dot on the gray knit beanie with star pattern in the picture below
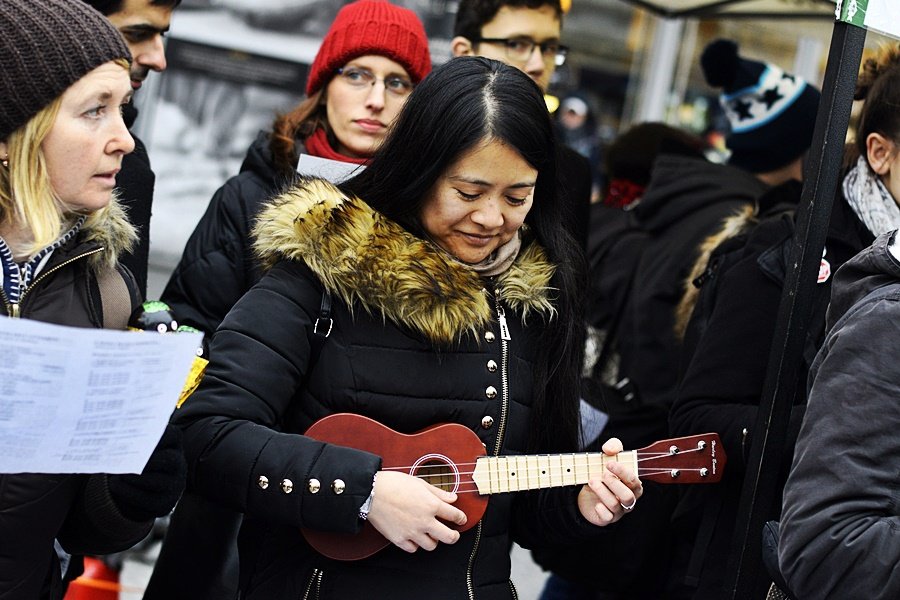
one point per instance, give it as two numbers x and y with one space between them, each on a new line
46 46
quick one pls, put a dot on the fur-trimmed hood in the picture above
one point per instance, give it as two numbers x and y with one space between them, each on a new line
366 259
733 226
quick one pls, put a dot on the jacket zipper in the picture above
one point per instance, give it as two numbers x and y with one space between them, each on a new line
512 588
14 309
504 404
316 579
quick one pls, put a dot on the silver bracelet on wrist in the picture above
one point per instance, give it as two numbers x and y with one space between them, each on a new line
367 505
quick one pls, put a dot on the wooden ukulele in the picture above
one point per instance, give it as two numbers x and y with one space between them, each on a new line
452 457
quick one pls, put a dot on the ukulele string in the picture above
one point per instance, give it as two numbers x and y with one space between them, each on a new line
465 489
643 457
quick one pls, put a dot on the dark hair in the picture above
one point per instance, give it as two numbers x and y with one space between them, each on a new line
462 103
879 86
472 15
108 7
632 154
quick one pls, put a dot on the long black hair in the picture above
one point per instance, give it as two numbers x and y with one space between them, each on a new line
460 104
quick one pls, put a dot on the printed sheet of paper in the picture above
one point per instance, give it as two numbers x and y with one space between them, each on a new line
331 170
77 400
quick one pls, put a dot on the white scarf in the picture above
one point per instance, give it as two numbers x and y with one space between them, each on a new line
870 199
500 259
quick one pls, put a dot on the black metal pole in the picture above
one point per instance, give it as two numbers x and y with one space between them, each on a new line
745 576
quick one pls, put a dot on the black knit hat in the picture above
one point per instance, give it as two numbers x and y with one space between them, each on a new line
46 46
772 113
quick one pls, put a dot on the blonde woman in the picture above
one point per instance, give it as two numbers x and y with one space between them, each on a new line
62 139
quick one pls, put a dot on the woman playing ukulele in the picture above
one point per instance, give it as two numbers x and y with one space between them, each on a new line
449 292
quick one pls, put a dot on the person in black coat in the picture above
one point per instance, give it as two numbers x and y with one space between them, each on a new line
62 141
640 257
344 118
142 23
728 340
452 299
369 61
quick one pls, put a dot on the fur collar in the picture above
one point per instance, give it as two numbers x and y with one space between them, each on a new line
113 232
368 260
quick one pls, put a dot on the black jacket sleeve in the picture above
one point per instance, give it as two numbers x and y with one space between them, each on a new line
259 359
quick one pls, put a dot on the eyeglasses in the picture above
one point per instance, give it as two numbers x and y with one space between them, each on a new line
360 78
520 49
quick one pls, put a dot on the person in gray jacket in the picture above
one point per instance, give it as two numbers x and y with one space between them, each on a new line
840 527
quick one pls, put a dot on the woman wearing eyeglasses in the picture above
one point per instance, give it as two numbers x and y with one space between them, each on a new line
369 61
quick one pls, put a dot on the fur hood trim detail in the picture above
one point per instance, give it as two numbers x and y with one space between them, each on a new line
366 259
732 227
113 232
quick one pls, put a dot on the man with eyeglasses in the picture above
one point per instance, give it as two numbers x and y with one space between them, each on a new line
525 34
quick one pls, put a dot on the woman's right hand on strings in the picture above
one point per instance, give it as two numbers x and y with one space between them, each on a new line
409 512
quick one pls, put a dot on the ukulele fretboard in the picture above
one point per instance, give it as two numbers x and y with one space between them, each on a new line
499 474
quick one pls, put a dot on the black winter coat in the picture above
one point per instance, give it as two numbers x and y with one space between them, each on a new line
415 342
686 200
574 192
218 266
135 189
725 374
198 558
77 510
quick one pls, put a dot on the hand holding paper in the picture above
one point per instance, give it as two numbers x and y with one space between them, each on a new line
78 400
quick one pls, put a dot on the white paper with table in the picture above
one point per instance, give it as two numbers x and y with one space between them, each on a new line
78 400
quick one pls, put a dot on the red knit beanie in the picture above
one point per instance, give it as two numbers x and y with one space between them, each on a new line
371 27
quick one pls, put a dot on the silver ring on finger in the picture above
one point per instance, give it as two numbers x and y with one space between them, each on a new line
629 507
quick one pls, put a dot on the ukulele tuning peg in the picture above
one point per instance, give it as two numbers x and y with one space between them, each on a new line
673 449
674 473
701 445
704 472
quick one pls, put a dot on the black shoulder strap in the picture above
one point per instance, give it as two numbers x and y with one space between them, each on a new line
321 330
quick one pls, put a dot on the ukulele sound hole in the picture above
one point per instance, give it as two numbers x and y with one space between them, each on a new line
439 471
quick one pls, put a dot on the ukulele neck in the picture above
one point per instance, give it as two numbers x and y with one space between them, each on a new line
499 474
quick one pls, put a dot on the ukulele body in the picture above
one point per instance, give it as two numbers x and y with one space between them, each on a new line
449 469
451 457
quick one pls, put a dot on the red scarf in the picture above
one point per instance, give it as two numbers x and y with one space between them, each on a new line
317 145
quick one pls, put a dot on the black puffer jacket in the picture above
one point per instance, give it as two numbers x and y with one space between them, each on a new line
75 509
218 266
415 342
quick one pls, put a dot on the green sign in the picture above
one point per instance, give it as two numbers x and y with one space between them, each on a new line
878 15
